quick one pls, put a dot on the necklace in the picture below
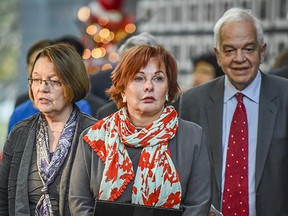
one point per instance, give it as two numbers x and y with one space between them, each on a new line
54 131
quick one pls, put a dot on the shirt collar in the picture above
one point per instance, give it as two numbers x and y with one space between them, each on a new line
252 91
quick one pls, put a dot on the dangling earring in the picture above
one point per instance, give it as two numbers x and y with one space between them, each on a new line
167 97
124 99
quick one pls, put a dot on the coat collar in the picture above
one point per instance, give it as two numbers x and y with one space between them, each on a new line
214 113
267 119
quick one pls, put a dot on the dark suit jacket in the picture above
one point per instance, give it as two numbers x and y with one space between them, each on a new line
282 72
100 82
106 110
95 102
204 105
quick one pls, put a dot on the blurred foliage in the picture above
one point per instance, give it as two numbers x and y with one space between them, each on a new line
9 39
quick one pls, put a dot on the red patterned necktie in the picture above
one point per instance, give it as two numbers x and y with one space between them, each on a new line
235 194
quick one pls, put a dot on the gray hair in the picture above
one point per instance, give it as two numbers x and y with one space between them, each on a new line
238 14
141 39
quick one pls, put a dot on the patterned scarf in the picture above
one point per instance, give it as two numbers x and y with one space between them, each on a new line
48 169
156 181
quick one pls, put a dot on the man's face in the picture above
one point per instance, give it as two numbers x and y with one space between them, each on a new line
240 53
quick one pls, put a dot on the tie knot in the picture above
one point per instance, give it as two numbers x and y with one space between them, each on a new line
239 97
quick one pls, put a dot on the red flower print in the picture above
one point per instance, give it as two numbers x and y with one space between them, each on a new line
112 171
127 165
99 146
171 177
114 194
143 162
173 199
153 198
97 125
113 132
125 176
134 190
167 169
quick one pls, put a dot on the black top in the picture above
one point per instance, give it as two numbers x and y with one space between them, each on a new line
35 185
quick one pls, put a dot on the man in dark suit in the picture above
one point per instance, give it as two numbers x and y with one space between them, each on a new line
240 49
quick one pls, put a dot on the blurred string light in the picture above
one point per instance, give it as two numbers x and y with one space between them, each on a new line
84 14
104 26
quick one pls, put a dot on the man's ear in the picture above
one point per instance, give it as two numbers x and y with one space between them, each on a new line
263 49
217 53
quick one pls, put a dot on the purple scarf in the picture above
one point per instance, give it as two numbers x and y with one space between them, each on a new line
47 168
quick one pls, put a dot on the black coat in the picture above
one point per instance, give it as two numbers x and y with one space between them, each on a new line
17 157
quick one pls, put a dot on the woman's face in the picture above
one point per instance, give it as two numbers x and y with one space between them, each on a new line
49 96
146 91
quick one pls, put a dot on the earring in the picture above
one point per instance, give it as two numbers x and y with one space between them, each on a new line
167 97
124 99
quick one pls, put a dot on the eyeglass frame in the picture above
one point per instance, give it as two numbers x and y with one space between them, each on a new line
37 82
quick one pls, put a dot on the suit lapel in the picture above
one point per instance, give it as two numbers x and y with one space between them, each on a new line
214 117
267 118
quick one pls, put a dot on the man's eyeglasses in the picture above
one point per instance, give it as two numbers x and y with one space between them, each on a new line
37 82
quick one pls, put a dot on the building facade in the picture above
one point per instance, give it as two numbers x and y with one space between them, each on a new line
185 27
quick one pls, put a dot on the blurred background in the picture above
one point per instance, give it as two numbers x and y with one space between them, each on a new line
184 27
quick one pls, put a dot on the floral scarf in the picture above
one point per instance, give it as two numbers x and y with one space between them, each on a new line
156 180
48 169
